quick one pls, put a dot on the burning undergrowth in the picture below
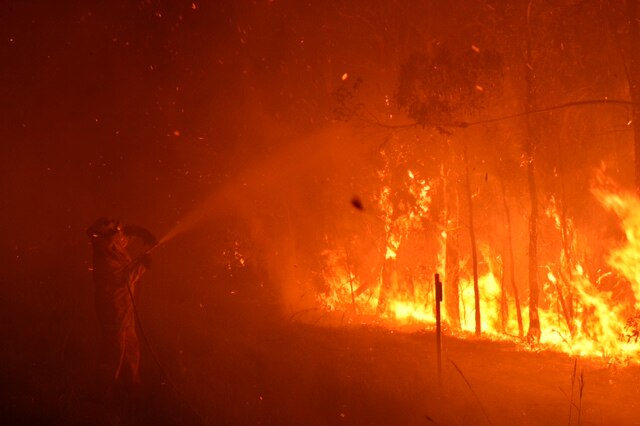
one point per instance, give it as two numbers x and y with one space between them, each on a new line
588 310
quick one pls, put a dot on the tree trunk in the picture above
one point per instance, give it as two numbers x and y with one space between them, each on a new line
472 238
530 144
504 311
452 258
388 283
634 81
512 269
451 286
566 261
534 320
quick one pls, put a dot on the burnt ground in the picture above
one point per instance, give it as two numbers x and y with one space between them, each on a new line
234 359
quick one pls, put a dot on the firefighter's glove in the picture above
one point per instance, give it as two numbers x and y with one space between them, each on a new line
150 239
145 260
144 234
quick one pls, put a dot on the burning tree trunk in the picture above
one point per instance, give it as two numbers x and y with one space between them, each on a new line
504 310
530 144
512 273
567 302
452 271
388 281
534 320
452 257
566 261
472 237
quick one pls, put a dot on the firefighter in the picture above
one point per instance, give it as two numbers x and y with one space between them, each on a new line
116 275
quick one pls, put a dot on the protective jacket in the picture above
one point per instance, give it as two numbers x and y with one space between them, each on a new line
116 276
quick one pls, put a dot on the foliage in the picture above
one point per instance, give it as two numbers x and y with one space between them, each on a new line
437 90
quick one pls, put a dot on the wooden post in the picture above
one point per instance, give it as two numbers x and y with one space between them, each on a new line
438 326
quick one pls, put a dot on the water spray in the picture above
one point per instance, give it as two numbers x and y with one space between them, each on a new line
198 214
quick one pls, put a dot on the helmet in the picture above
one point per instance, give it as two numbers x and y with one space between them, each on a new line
104 227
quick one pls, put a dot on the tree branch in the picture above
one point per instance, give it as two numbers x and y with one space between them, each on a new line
465 124
552 108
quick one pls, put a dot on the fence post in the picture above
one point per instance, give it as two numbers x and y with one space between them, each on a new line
438 284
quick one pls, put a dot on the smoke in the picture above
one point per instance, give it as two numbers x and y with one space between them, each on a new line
295 199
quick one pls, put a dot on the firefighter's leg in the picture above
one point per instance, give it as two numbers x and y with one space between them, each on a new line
120 365
132 357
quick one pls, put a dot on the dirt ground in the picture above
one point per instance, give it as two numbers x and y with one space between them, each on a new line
278 372
229 357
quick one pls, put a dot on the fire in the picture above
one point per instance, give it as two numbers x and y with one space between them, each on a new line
626 259
580 315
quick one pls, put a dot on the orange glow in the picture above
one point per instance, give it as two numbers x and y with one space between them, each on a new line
578 315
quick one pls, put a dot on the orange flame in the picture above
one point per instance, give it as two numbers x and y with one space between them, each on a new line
579 316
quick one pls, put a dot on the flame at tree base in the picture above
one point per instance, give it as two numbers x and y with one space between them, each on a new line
581 316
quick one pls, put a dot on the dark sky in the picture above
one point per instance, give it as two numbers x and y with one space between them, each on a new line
118 108
140 109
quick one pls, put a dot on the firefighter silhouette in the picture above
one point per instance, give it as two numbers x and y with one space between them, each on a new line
116 275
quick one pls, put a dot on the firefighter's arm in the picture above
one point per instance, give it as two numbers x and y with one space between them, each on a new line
142 233
137 267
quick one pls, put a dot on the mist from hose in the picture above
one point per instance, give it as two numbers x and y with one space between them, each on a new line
186 223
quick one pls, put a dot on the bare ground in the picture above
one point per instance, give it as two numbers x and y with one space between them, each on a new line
233 359
270 371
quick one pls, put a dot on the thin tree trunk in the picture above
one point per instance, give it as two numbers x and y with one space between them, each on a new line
634 81
504 311
565 299
452 258
562 300
512 273
353 297
534 294
530 145
388 283
472 238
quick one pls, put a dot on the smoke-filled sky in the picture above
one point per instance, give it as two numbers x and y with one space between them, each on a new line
141 109
148 110
260 120
211 115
